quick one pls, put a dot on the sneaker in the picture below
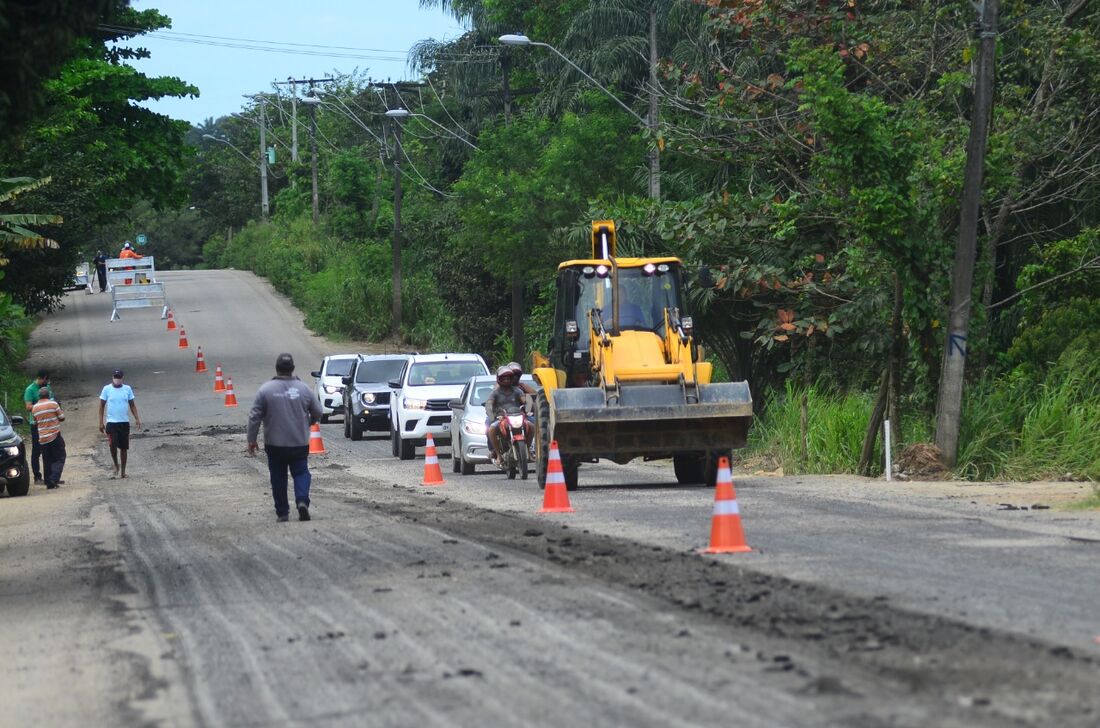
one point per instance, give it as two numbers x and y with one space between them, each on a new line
303 511
283 518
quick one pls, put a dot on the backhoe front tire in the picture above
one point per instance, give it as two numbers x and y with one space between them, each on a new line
569 465
711 469
689 468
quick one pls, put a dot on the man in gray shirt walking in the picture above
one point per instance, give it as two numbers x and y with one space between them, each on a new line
287 408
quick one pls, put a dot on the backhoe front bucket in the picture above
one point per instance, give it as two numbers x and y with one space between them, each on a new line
650 419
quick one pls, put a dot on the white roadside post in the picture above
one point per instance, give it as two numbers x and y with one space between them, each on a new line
886 447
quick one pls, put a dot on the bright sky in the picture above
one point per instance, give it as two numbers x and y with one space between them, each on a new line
377 33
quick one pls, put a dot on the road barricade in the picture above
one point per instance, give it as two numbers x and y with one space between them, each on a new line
139 295
128 271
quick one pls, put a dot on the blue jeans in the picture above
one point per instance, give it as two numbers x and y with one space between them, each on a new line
296 460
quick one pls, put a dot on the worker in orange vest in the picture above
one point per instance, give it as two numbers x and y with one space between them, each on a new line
129 252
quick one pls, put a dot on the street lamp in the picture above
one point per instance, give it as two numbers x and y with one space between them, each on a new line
520 40
263 169
405 114
398 115
313 102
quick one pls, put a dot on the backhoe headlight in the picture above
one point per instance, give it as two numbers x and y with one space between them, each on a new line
649 269
588 271
662 268
602 271
687 325
414 404
571 330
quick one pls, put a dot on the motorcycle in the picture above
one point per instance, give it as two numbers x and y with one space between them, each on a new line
511 432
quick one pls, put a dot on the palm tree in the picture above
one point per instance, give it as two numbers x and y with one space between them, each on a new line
13 234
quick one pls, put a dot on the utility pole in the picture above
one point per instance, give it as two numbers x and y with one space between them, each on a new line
519 308
293 83
293 121
313 159
655 151
264 207
949 401
396 249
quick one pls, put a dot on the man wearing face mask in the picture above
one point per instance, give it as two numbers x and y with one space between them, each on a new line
116 402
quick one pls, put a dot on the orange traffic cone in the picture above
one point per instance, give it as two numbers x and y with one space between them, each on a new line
556 496
200 363
726 536
219 382
171 321
433 475
316 444
230 398
183 338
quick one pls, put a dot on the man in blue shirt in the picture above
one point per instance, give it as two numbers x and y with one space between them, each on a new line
116 401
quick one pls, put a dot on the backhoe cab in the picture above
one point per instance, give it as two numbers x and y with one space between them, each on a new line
624 378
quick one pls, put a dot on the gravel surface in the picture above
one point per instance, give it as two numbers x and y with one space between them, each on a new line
173 597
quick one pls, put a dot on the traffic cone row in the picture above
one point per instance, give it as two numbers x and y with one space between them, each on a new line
183 339
200 363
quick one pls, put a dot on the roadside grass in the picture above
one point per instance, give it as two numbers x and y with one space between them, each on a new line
1020 428
1092 503
836 425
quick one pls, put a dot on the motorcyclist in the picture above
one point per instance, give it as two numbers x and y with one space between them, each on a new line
504 397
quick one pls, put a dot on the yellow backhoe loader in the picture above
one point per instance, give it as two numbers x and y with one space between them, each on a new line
624 378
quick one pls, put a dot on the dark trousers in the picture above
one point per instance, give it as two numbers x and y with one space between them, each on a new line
101 273
279 461
36 453
53 459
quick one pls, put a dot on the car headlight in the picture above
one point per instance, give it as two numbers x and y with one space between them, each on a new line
474 427
11 451
368 397
410 403
330 389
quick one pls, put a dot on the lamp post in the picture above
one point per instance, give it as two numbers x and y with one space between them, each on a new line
520 40
313 102
263 170
398 115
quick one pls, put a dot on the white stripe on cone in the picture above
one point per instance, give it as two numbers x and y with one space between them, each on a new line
726 508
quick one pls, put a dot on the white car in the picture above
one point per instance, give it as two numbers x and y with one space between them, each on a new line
330 383
427 385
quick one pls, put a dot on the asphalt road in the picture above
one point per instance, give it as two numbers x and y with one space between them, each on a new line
174 598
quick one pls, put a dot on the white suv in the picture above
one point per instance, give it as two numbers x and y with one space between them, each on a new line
330 385
427 385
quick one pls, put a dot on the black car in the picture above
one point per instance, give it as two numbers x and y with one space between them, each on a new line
367 393
14 473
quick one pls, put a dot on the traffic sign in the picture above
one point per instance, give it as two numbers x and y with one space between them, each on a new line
141 239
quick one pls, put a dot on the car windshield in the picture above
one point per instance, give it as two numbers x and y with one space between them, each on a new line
380 370
339 367
444 372
3 418
481 393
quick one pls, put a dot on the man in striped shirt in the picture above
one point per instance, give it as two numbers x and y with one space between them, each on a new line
48 418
